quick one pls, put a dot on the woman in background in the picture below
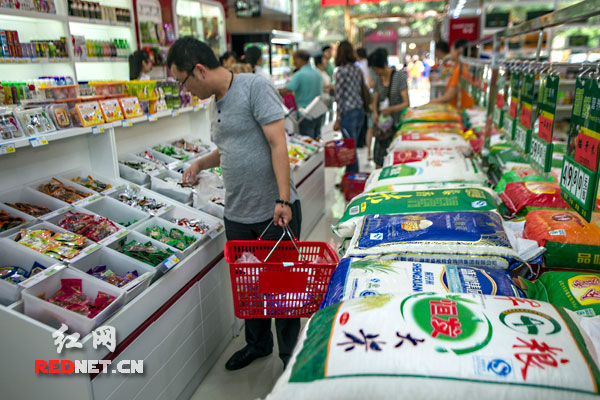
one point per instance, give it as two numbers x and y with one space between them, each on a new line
253 56
140 66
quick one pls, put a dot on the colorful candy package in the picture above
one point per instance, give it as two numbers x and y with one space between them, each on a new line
71 297
402 202
578 291
530 195
362 277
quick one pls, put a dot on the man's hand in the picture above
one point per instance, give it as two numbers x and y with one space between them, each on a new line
282 215
385 111
336 125
189 175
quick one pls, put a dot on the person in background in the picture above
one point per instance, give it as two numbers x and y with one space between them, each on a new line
442 50
373 78
306 84
389 100
249 132
327 53
452 87
415 72
253 56
327 86
363 64
228 58
348 96
140 66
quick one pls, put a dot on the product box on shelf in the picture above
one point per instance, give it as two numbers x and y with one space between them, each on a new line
121 265
87 247
34 203
71 221
117 212
11 220
92 181
89 113
143 90
68 192
109 88
176 237
13 254
9 127
37 307
169 184
35 121
60 92
142 199
111 109
60 115
163 263
131 107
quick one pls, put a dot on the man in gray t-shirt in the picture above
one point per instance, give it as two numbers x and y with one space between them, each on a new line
248 129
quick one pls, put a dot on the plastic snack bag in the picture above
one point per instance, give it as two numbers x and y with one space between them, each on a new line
440 346
362 277
462 199
519 196
525 175
578 291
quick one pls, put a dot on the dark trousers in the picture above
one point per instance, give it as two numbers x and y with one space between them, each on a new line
258 331
311 127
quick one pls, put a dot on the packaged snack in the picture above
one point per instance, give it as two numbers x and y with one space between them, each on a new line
577 291
466 238
173 237
525 175
362 277
91 183
145 252
192 224
34 121
440 346
193 147
71 297
57 245
131 107
570 241
111 109
459 170
102 272
531 195
142 166
8 221
172 151
60 115
59 190
408 202
94 227
16 275
9 127
150 157
131 197
89 113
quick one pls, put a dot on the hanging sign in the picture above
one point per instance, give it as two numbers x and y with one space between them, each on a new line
541 145
523 129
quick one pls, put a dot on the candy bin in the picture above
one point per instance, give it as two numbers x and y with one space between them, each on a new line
60 92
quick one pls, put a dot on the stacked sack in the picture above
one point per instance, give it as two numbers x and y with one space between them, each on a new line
434 294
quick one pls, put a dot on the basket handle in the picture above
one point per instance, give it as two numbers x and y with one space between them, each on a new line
288 231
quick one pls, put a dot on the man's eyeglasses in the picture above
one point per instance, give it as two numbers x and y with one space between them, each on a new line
187 77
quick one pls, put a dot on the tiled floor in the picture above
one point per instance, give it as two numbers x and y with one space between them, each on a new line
256 380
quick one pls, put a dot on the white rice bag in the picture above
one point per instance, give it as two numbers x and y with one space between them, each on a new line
440 346
432 154
422 140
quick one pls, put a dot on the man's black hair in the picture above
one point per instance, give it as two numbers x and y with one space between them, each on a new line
361 52
253 54
227 55
460 43
318 59
187 52
442 46
378 58
303 55
325 48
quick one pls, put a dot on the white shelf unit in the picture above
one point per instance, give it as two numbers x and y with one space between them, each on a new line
33 25
178 326
192 16
150 11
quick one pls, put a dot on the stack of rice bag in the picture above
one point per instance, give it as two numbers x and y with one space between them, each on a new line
435 294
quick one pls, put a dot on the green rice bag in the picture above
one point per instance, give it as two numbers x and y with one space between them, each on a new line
520 176
576 291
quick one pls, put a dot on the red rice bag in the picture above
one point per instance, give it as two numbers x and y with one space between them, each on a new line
518 195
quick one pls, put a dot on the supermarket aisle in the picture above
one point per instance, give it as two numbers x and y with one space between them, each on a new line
256 380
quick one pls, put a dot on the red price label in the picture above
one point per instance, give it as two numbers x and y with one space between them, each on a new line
586 151
526 116
546 122
500 100
513 108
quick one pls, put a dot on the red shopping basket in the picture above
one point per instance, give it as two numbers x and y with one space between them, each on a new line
353 184
291 284
339 153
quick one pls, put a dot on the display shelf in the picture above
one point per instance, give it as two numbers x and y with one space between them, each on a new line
92 21
36 60
31 14
101 59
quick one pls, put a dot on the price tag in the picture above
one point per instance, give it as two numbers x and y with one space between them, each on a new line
586 149
546 121
126 124
541 154
38 141
526 115
175 113
578 186
7 148
170 262
196 108
152 117
175 164
523 138
213 234
96 130
42 275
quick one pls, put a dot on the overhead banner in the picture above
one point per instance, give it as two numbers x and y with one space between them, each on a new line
463 28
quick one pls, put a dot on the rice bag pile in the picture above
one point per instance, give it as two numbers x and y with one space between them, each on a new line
9 221
172 237
145 252
71 297
15 275
432 154
519 198
469 238
430 127
105 274
362 277
441 346
522 175
418 140
94 227
570 241
426 171
413 201
60 245
431 114
577 291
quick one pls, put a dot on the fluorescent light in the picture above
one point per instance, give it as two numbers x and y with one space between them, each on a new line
281 41
412 46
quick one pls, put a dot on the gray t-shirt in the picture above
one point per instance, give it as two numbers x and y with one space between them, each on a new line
250 184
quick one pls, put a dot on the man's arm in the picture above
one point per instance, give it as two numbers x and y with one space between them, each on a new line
275 134
211 160
447 97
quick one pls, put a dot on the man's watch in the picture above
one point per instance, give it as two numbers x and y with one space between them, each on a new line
283 202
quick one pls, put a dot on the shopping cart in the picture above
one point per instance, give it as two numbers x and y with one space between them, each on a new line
291 281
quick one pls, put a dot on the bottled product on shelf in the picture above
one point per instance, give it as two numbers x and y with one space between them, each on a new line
11 46
93 10
115 48
43 6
